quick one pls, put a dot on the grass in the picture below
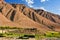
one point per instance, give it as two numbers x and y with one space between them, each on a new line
49 34
37 36
53 34
11 35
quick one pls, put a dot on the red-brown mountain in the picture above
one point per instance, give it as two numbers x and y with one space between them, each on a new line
21 16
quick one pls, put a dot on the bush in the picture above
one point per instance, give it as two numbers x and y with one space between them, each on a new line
8 27
2 35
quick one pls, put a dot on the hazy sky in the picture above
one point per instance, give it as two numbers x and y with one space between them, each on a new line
47 5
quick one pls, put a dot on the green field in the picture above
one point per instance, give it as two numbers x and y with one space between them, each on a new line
49 34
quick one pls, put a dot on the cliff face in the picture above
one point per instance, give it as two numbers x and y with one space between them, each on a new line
24 17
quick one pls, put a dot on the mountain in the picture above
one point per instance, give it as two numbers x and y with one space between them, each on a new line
19 15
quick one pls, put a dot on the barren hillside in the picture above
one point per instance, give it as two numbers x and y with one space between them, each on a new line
19 15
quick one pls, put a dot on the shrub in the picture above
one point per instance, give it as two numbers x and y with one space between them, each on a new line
1 35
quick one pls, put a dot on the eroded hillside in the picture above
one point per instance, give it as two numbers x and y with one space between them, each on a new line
21 16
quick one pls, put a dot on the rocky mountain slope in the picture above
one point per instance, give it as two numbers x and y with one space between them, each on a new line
19 15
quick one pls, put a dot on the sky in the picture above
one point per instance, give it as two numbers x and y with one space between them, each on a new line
52 6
